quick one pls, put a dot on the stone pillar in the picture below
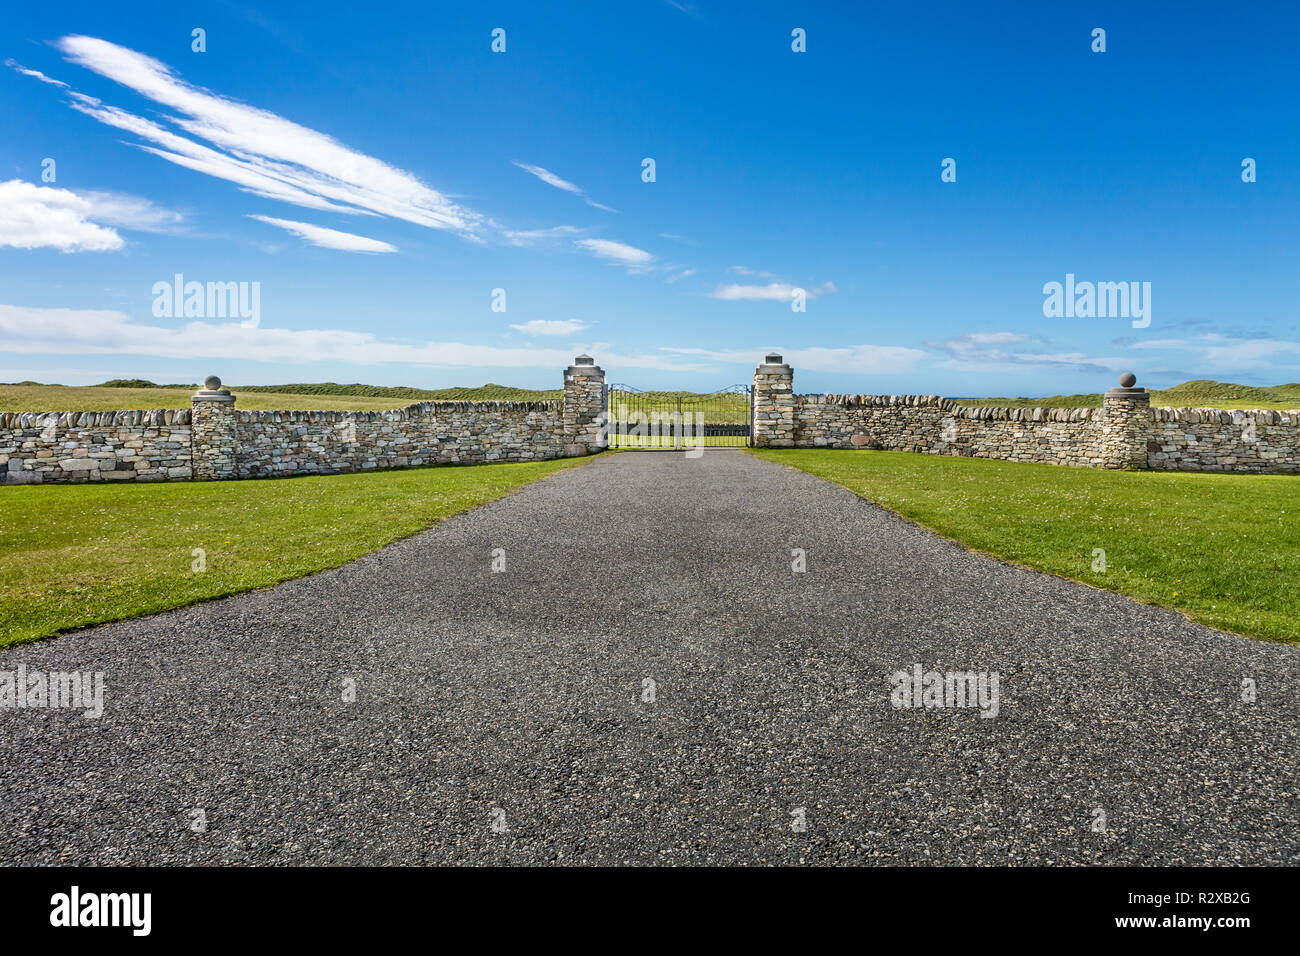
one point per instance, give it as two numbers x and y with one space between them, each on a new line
213 447
1125 425
584 407
773 425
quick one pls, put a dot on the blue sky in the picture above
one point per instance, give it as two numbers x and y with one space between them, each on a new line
379 174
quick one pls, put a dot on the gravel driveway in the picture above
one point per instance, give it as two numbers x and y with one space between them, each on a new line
509 717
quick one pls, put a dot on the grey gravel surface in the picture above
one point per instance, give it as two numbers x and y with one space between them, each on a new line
522 691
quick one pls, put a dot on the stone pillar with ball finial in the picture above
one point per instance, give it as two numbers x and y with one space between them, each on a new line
1125 425
214 446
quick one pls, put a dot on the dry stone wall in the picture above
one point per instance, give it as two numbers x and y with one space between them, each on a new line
1124 433
277 444
213 440
74 447
1058 436
933 425
1211 439
891 422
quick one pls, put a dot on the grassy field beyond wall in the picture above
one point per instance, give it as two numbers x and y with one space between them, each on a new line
1224 549
95 398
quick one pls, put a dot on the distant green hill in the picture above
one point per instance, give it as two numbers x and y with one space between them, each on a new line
1206 392
1201 393
130 383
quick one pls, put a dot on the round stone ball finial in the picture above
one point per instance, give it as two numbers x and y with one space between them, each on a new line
212 383
1128 380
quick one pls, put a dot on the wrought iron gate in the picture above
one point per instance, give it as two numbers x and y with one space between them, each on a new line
650 419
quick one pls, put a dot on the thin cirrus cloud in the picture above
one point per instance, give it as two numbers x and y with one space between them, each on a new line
551 179
328 238
34 217
998 352
269 156
745 271
1223 351
28 330
689 9
259 151
874 359
528 237
1015 351
35 74
771 292
618 253
132 212
550 326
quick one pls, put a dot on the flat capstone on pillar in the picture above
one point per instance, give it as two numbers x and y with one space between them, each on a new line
584 407
773 424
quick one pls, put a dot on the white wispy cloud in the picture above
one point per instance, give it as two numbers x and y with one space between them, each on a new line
993 338
528 237
684 274
259 151
551 179
1212 352
993 352
551 326
686 8
131 212
772 292
1227 352
746 271
548 177
328 238
33 217
35 74
619 253
64 332
866 359
1073 360
981 346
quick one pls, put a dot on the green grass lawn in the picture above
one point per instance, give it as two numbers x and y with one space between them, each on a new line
1223 549
74 555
